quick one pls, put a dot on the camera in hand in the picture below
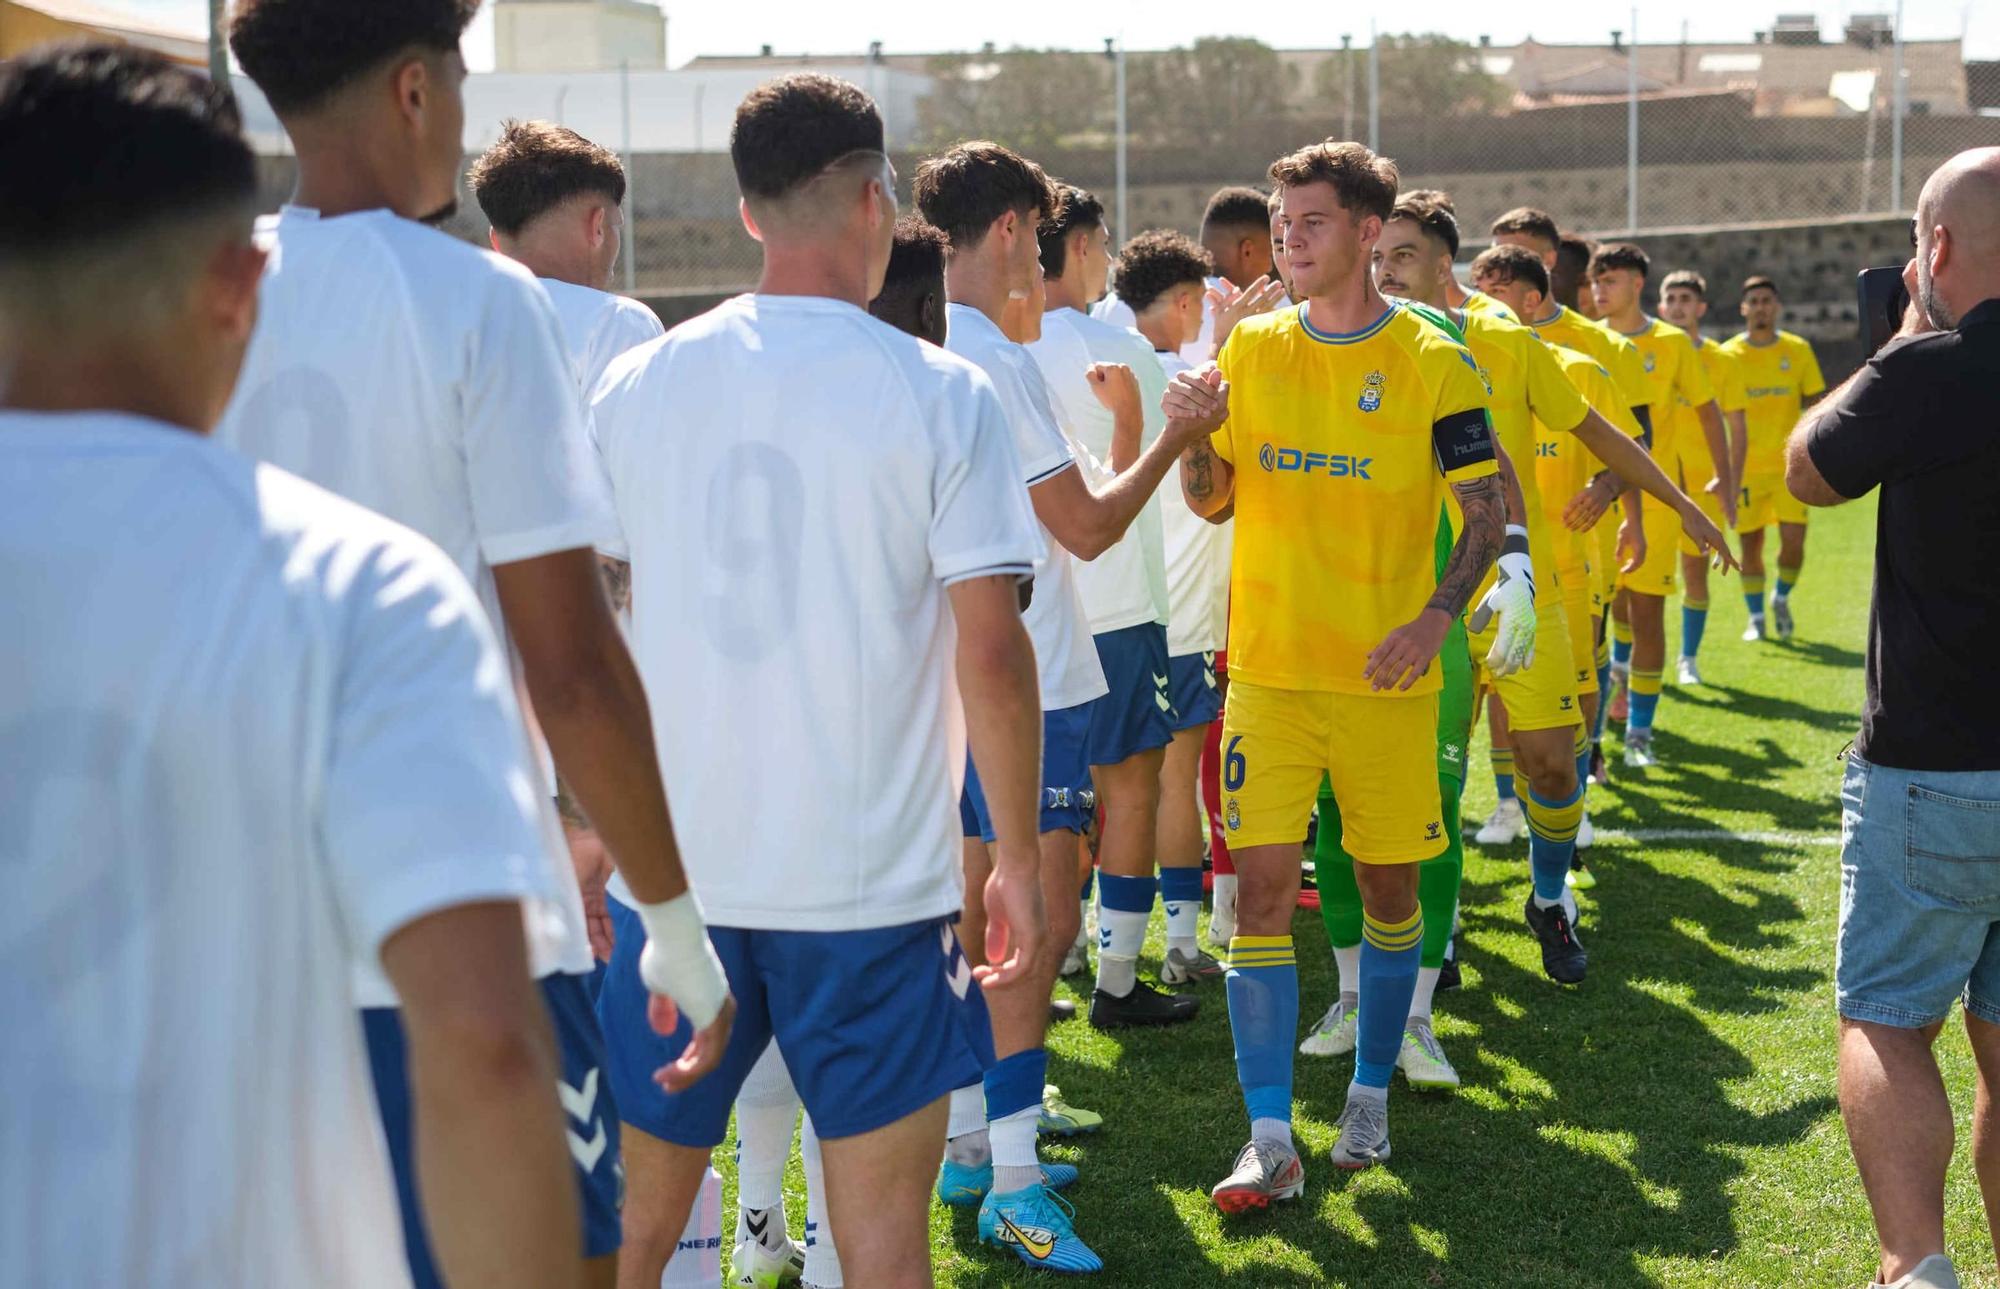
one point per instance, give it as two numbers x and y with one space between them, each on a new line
1884 299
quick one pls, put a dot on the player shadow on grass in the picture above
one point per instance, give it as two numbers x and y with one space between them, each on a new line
1595 1125
1768 707
1694 780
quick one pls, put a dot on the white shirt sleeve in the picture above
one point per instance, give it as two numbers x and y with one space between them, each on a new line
428 801
981 520
1038 438
618 398
537 487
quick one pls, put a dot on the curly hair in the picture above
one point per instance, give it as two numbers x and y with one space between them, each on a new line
1154 263
537 166
301 51
917 256
1508 263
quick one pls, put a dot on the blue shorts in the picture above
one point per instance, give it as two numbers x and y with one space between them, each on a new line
1138 714
590 1118
1919 895
1191 684
874 1026
1068 801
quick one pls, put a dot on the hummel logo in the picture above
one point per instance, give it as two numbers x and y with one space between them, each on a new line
957 971
581 1105
1038 1242
1159 681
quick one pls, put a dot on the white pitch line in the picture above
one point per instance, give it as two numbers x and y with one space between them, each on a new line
1715 834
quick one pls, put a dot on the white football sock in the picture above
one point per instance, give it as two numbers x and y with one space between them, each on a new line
822 1259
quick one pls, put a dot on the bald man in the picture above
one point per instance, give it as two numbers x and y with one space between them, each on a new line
1920 895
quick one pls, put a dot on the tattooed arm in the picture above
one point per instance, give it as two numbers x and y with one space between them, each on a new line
1406 653
1198 401
617 575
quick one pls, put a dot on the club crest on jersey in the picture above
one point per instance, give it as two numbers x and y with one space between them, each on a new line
1784 364
1372 386
1232 816
1649 364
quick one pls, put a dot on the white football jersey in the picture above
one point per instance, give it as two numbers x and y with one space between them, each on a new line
248 731
798 484
1126 585
1201 349
1064 653
1197 562
426 379
597 326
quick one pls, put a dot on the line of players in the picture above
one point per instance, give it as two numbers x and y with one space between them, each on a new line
431 383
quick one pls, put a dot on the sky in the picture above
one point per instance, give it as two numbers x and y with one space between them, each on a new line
812 26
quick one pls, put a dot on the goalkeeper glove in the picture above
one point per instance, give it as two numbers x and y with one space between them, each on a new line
1513 598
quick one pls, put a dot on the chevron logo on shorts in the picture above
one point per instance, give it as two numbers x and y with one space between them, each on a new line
581 1105
957 971
1160 698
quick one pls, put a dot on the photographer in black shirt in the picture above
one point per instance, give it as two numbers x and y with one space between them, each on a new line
1920 861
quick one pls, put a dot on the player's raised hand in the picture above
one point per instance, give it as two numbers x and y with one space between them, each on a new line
1016 924
1701 530
1116 387
1228 304
1406 653
1196 402
704 1050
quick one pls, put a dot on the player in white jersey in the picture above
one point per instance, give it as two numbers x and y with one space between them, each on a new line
988 201
803 589
1162 276
426 379
552 200
1234 227
1106 387
249 734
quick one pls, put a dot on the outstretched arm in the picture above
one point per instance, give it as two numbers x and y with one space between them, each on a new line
1198 402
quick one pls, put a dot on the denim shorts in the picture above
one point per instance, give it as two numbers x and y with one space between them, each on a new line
1919 894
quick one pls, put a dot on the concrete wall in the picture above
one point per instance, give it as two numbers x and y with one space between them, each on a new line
581 36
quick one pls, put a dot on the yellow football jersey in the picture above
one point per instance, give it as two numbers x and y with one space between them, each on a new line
1526 386
1674 377
1692 464
1618 356
1563 465
1777 379
1343 446
1480 302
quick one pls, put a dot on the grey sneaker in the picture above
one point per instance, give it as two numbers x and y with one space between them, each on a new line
1334 1035
1364 1134
1265 1171
1178 968
1781 616
1755 631
1423 1062
1639 750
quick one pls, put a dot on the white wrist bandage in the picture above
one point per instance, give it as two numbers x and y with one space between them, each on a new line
678 960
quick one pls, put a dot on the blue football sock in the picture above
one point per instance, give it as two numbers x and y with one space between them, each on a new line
1603 701
1784 589
1263 989
1503 771
1552 828
1621 654
1694 624
1390 956
1015 1083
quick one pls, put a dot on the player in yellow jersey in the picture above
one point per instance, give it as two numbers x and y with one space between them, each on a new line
1674 375
1526 383
1337 428
1576 488
1684 302
1781 379
1615 543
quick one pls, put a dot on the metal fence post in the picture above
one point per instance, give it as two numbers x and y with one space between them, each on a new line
218 49
1118 75
630 248
1374 88
1632 125
1896 110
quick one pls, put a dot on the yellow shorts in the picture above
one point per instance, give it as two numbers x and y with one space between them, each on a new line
1711 505
1604 555
1380 752
1580 610
1765 500
1542 695
1656 576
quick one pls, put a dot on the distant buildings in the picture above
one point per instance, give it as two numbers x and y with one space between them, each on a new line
578 35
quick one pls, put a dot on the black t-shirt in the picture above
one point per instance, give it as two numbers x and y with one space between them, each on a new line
1922 422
